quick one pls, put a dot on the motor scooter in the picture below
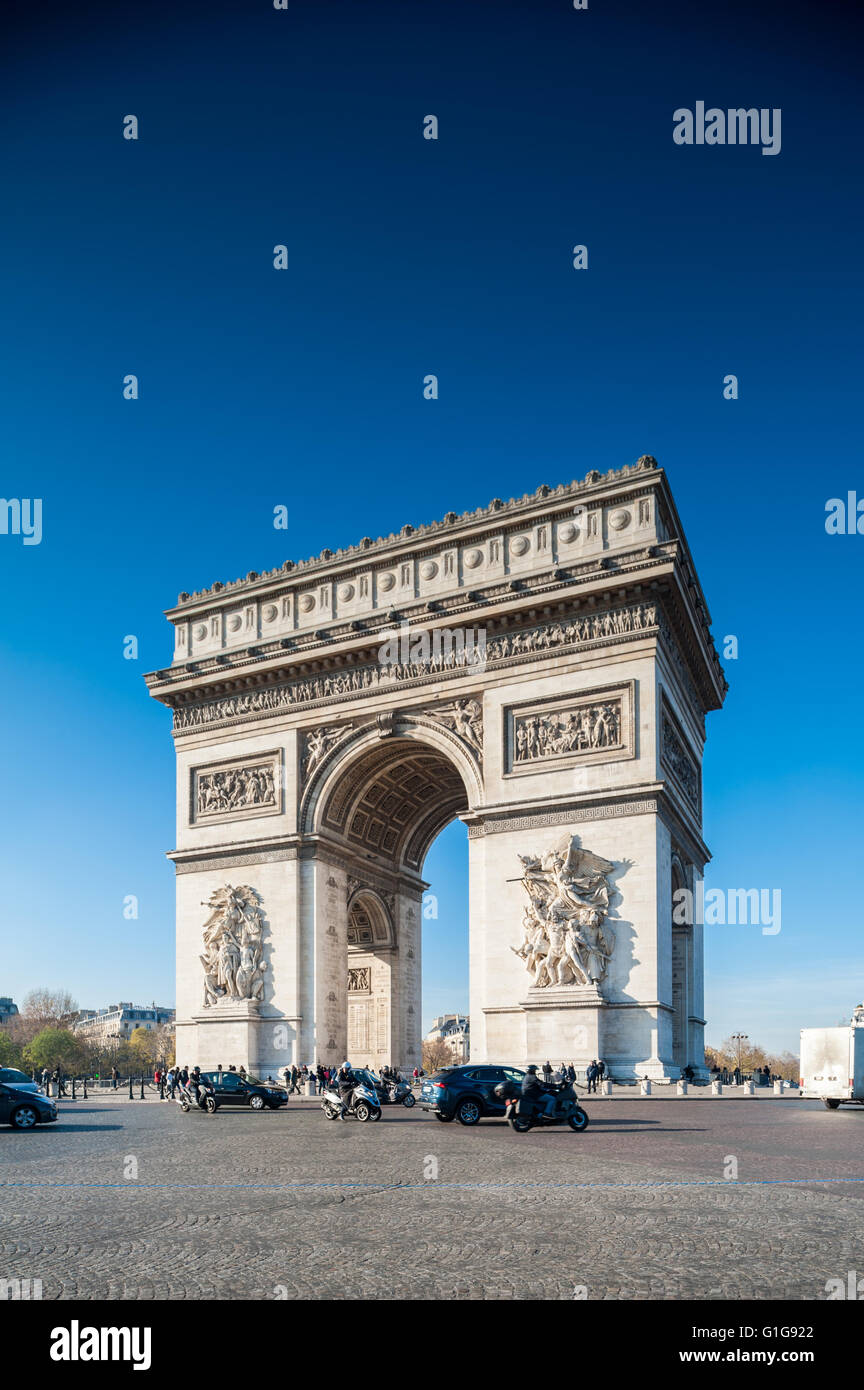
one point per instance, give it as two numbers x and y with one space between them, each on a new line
363 1105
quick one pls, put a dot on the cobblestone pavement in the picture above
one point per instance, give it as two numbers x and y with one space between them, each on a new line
287 1204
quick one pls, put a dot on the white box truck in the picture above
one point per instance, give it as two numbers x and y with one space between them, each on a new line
832 1063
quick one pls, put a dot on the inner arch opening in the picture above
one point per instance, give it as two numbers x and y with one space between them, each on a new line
394 800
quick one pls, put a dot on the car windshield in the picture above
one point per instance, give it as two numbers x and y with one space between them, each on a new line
11 1077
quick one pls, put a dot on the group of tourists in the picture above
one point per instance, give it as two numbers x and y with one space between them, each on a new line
55 1078
565 1071
325 1078
763 1076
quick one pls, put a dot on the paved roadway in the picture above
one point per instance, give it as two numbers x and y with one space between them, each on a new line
286 1204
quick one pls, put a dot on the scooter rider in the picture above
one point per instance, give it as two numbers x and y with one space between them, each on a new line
195 1084
536 1096
346 1083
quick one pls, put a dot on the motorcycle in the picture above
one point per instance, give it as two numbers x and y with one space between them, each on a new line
206 1099
401 1094
392 1092
567 1109
364 1104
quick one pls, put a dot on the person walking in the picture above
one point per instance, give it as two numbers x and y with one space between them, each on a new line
115 1077
591 1076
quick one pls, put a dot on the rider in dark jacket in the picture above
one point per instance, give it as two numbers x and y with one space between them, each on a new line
346 1083
536 1096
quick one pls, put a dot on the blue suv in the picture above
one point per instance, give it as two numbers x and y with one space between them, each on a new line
466 1094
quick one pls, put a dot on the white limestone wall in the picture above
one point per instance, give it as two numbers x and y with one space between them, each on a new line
498 977
277 884
246 828
570 678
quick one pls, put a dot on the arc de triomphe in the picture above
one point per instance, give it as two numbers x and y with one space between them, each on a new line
540 668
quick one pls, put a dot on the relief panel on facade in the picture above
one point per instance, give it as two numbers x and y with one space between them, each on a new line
593 726
678 759
249 786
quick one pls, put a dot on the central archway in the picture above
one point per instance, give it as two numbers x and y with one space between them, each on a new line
371 811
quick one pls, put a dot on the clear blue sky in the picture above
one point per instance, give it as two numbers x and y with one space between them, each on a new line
303 387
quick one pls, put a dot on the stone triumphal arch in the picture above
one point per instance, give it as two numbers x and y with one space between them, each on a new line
540 668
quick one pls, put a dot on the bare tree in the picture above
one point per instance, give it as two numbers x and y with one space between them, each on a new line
42 1008
436 1054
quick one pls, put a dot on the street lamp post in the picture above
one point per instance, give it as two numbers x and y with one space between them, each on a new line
739 1039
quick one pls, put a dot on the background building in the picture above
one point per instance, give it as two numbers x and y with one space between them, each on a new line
454 1031
8 1010
119 1021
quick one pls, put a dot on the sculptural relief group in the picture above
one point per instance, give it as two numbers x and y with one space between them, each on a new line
564 941
233 952
582 729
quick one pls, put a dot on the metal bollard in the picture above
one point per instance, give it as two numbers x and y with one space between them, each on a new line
131 1097
142 1086
74 1097
85 1086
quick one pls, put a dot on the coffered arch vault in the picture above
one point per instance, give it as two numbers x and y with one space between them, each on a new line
389 794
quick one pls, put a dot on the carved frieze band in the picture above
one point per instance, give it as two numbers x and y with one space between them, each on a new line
590 726
229 860
577 814
236 789
604 626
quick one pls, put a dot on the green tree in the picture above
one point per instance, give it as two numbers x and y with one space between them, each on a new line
10 1052
54 1047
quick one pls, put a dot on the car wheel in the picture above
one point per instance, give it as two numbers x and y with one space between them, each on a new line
831 1104
25 1117
578 1120
445 1119
409 1100
362 1112
468 1112
257 1103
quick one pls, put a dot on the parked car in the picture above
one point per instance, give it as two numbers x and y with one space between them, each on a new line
466 1093
11 1076
231 1089
23 1109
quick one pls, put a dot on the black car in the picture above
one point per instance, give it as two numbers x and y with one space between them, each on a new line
466 1094
22 1109
229 1088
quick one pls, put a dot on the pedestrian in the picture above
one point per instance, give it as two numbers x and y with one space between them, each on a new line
601 1069
115 1077
46 1081
591 1076
242 1073
547 1072
571 1073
